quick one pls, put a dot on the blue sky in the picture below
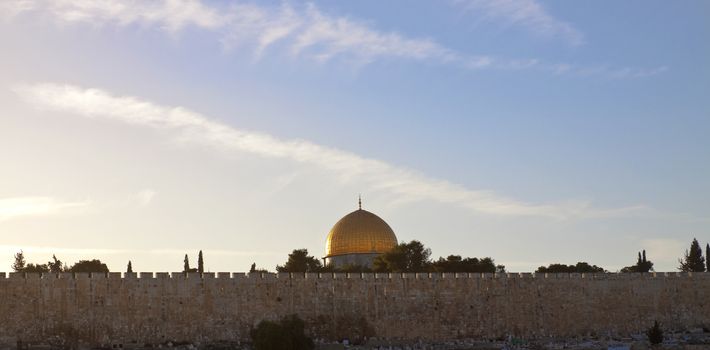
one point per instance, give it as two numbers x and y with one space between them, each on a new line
530 131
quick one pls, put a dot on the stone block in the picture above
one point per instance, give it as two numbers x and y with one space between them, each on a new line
98 275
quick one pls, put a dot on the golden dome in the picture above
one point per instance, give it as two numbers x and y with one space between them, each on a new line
360 232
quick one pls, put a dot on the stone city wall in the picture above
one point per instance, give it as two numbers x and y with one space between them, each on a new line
101 309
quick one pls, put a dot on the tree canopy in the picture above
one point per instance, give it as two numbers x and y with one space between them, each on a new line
454 263
21 265
300 261
56 265
415 257
580 267
642 265
405 257
94 265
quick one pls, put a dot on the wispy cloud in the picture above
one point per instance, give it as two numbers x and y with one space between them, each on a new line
306 31
529 14
93 252
400 183
17 207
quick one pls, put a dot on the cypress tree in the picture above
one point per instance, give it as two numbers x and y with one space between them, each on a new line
693 260
186 266
707 257
129 269
644 256
200 263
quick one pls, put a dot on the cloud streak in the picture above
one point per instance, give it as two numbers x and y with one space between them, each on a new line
402 184
306 31
18 207
93 252
529 14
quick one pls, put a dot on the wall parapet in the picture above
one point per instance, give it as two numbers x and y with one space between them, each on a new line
339 275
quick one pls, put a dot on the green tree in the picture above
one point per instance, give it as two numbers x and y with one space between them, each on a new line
642 265
55 266
287 334
20 262
36 268
129 268
693 260
405 257
200 263
707 257
455 263
94 265
300 261
580 267
655 334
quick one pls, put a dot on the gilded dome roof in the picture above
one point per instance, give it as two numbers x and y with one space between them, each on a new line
360 232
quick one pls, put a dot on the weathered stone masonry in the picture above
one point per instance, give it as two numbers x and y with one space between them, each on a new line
112 309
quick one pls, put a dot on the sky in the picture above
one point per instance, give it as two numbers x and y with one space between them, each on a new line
533 132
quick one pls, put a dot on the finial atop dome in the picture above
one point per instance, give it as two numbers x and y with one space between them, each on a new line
359 202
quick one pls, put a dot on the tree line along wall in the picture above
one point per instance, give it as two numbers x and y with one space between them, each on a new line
147 308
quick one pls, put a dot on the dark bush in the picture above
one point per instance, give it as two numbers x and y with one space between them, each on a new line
655 334
286 334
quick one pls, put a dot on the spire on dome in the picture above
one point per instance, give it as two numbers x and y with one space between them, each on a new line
359 202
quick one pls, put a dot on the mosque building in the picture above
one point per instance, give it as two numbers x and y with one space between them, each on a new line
358 238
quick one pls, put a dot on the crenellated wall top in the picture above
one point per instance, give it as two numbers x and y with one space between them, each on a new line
337 276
